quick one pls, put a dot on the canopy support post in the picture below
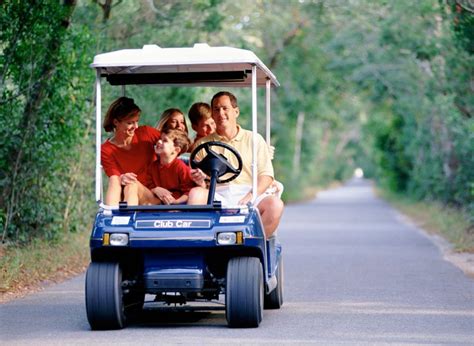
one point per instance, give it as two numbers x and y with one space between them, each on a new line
98 137
267 111
254 133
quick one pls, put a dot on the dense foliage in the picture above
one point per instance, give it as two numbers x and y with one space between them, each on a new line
386 86
46 85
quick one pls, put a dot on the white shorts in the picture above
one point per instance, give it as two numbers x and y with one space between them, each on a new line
231 194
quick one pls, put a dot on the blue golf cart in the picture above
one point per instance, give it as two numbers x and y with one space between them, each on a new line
183 253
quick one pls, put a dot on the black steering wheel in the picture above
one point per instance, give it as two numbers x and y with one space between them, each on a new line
215 164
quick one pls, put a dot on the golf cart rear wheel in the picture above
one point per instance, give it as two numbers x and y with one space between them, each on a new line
104 302
244 292
274 300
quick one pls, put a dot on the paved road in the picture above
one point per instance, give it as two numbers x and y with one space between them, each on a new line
355 274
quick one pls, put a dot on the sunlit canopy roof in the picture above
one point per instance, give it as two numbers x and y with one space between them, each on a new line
200 65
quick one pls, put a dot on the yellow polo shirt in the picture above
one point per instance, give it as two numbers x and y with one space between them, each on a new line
243 143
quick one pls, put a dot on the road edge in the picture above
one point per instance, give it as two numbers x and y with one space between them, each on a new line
462 260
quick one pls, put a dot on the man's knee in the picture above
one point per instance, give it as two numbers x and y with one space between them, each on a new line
271 205
271 209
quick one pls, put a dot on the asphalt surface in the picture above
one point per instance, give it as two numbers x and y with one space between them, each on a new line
355 273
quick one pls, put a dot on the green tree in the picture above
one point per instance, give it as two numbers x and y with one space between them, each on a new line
43 98
386 86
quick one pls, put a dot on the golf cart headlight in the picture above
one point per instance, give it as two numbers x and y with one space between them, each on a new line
230 238
226 238
118 239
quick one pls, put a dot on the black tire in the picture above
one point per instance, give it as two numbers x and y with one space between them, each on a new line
244 292
104 301
274 300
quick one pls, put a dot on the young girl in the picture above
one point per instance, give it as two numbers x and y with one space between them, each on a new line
172 118
169 177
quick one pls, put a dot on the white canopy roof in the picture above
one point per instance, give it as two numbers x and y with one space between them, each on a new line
200 65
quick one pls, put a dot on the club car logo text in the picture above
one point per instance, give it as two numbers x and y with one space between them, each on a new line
173 224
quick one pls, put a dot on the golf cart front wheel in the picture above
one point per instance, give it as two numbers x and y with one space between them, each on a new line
244 292
104 302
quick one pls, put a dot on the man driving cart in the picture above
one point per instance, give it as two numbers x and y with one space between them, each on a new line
225 112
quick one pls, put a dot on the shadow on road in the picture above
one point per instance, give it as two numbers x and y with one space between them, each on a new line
198 315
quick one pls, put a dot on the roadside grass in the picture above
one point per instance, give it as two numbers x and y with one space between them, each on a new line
448 222
28 268
293 194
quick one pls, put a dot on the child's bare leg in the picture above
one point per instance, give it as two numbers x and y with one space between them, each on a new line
198 195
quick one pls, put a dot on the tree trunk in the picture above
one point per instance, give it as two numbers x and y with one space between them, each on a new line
106 8
298 140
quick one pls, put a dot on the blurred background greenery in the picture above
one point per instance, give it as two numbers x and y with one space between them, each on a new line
382 85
